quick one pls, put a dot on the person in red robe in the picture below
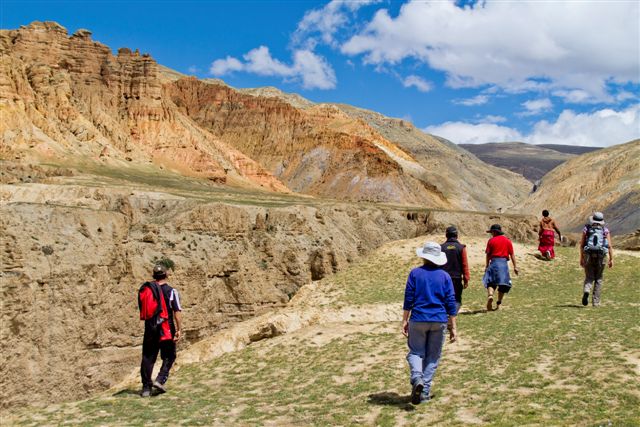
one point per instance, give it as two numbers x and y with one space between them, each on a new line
546 235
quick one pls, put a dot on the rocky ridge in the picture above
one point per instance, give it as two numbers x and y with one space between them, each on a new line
528 160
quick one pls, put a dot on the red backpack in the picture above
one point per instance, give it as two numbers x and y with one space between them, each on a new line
153 310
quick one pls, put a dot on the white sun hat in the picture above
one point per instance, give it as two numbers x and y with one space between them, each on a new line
431 251
596 218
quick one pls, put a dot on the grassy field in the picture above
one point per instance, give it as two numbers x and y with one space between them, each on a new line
542 359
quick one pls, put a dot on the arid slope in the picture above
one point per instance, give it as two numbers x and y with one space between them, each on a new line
460 176
606 180
67 99
530 161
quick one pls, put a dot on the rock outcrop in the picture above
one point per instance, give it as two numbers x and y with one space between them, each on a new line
463 179
68 97
606 180
304 148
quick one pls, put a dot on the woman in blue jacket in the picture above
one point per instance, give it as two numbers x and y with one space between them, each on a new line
429 306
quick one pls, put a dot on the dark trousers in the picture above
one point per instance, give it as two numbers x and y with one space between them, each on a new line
457 288
150 348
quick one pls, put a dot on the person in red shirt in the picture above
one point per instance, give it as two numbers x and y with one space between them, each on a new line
496 274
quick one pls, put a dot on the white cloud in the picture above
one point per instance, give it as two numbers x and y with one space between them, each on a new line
624 96
602 128
193 69
322 25
313 70
537 106
467 133
493 119
516 45
220 67
418 82
575 96
470 102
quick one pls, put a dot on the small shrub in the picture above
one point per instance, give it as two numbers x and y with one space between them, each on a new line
167 262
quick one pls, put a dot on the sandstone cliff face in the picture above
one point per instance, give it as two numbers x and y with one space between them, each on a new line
74 256
311 150
69 97
69 295
606 180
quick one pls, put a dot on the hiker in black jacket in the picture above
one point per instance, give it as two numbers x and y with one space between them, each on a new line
160 309
457 264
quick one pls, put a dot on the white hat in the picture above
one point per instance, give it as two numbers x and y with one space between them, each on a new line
431 251
597 218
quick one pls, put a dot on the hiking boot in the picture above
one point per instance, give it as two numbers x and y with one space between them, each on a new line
146 392
416 391
547 254
424 397
498 304
585 299
159 386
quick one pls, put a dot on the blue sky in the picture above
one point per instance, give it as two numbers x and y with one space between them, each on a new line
541 72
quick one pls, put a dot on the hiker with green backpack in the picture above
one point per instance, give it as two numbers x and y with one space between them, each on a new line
595 247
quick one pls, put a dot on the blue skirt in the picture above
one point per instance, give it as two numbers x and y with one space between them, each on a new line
497 273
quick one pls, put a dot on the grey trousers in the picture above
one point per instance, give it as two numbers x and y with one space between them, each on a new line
594 267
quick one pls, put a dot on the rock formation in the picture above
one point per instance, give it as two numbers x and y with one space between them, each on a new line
127 138
463 179
528 160
68 98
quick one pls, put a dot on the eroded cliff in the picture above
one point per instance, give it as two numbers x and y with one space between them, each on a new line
68 97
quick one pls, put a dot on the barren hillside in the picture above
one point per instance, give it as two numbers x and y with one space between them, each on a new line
528 160
606 180
460 176
74 247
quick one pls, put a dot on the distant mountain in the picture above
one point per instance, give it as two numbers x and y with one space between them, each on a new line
606 180
570 149
460 176
530 161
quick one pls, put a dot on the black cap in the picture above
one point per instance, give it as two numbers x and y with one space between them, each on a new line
495 227
159 271
451 231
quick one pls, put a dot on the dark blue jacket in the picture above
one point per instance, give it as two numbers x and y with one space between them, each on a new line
429 295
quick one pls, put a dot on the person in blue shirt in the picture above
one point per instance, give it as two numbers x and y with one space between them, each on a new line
429 307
